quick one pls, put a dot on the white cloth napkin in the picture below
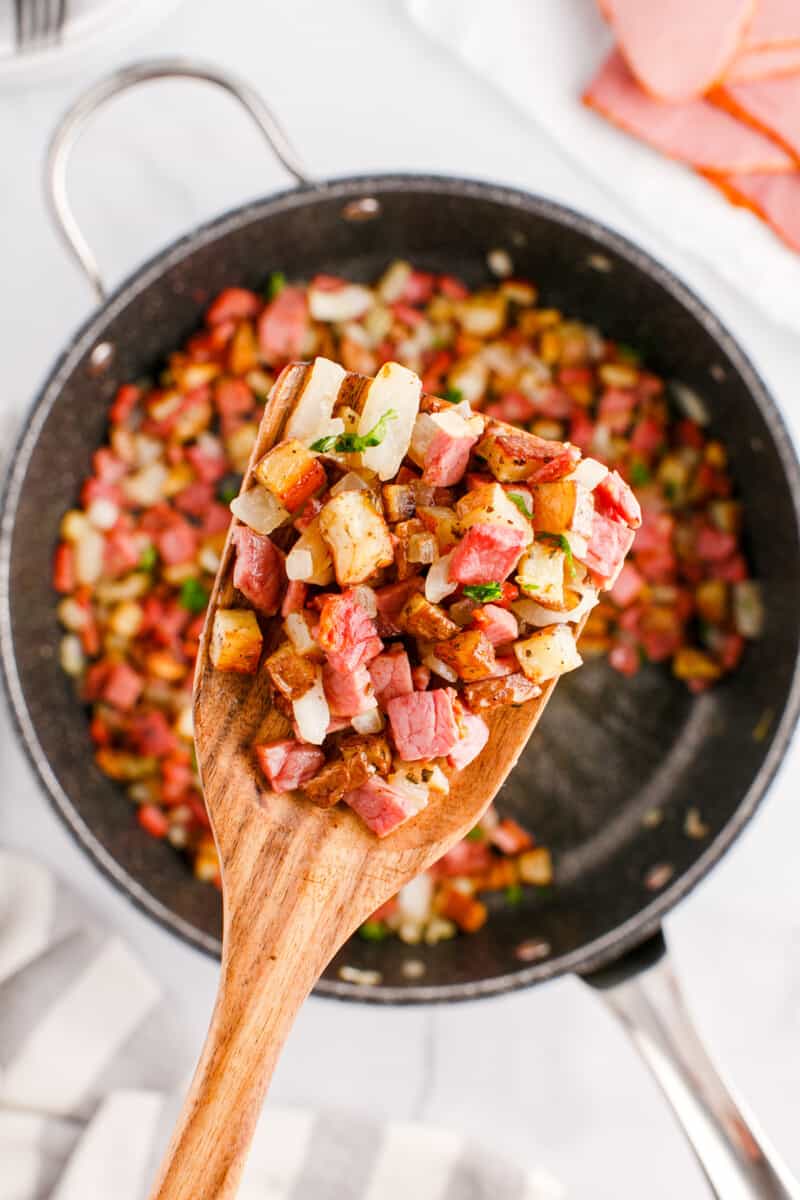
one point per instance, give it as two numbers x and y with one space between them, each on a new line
541 54
91 1057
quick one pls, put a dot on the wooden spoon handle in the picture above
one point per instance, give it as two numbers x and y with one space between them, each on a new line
283 924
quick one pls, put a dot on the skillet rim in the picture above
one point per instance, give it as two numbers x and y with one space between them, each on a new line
647 920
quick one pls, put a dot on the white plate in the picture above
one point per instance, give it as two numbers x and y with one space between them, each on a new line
92 28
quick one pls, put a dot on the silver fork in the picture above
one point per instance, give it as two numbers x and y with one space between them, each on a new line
39 22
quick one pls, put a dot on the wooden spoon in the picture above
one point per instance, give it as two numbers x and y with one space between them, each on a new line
297 880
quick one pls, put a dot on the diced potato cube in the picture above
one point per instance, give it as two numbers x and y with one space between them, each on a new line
689 663
239 445
298 631
489 504
309 560
442 522
711 599
259 509
541 575
563 506
505 458
291 472
399 501
548 653
536 867
290 673
482 315
394 389
235 641
470 654
357 537
314 407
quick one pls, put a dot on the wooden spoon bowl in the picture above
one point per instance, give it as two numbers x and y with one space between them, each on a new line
297 880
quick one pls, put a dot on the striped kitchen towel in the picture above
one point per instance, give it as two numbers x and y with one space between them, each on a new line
91 1070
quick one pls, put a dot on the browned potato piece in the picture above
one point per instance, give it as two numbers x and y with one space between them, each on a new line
470 654
442 523
235 641
357 537
290 672
548 653
333 781
541 574
563 507
711 598
492 693
373 746
291 472
424 620
488 504
309 560
399 501
689 663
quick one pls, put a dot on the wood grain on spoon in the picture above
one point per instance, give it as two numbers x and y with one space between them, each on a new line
296 880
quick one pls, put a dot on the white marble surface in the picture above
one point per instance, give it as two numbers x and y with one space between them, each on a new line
544 1075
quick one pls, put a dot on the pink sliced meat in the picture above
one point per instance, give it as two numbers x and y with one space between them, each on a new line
288 764
609 543
391 676
465 858
771 106
678 50
348 692
390 601
613 498
774 198
775 23
150 733
447 457
122 687
628 586
474 736
177 543
283 325
195 499
497 624
486 553
347 633
423 724
557 467
208 460
713 545
523 445
764 63
258 571
295 597
383 807
695 132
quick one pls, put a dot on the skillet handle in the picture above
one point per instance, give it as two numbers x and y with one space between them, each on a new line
94 98
642 991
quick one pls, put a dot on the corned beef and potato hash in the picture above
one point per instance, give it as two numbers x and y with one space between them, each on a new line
432 565
138 554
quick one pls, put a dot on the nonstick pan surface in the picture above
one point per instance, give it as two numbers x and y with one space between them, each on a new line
609 750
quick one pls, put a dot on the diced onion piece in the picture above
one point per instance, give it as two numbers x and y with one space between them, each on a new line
350 483
748 608
103 513
405 780
346 303
371 721
577 544
299 564
184 726
312 412
500 263
689 402
147 450
393 388
70 655
442 669
438 781
73 616
470 376
535 614
312 714
414 901
589 472
73 525
392 283
259 510
299 634
365 596
146 487
208 558
438 583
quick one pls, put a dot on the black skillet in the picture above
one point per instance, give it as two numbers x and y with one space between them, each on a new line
609 750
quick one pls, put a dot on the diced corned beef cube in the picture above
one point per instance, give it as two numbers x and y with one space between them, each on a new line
232 304
523 445
150 734
486 553
163 620
624 658
615 409
122 551
509 837
497 624
101 489
465 858
647 436
216 518
122 686
628 586
581 430
557 468
258 571
295 597
423 724
195 499
233 398
64 568
655 533
613 498
391 676
730 570
382 807
288 764
347 633
552 402
177 543
713 545
448 453
209 462
125 402
609 543
474 736
512 406
107 466
391 600
348 692
421 677
282 326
